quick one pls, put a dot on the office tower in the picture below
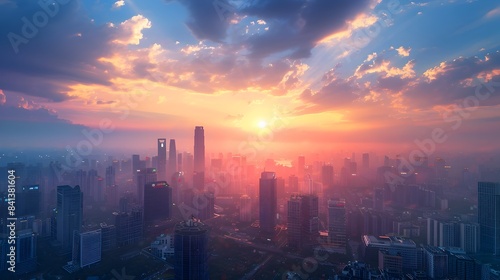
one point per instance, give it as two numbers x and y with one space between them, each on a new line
178 186
199 181
172 159
245 208
136 162
378 199
293 184
301 166
129 227
180 167
390 261
25 251
199 149
157 201
280 188
327 176
162 159
108 236
267 201
191 250
366 161
469 238
489 217
337 225
90 188
87 248
110 176
28 200
302 223
69 215
370 246
437 262
449 234
206 210
144 176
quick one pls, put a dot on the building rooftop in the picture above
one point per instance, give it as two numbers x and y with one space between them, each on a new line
387 241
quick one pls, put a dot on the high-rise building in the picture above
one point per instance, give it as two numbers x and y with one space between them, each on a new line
469 238
489 217
129 227
366 161
69 215
162 159
337 225
87 248
302 222
144 176
172 159
199 149
25 251
327 176
191 250
180 167
157 201
301 166
28 200
110 176
108 237
267 202
406 248
136 163
436 262
293 184
206 210
245 209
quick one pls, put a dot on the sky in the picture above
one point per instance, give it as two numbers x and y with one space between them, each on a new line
287 75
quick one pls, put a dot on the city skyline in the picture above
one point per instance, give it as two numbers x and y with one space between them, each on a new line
376 75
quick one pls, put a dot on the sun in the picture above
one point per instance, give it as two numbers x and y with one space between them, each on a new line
262 124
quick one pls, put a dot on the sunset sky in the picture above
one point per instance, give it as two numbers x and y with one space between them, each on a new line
352 75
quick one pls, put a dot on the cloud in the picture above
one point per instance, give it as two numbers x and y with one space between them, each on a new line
208 18
130 31
402 51
493 13
3 98
118 4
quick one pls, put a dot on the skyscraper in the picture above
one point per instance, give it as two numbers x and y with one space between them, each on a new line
136 162
69 215
199 149
172 159
199 157
144 176
245 208
157 201
191 250
337 224
267 201
489 217
327 176
303 222
162 159
87 248
207 212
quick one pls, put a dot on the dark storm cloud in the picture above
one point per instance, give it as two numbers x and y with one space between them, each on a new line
300 25
208 18
44 48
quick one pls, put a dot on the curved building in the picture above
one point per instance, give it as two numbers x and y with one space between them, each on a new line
191 250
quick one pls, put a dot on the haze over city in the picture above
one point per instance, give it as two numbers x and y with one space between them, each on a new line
263 139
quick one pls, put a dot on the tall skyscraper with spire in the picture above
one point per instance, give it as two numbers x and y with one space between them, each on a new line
199 157
162 159
172 159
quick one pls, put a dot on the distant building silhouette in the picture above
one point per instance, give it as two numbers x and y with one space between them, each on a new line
199 157
161 160
172 159
145 176
157 201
